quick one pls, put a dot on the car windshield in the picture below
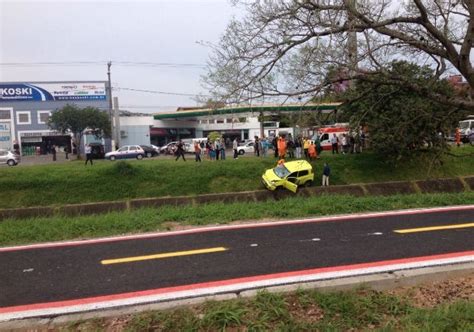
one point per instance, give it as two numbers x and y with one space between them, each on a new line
464 124
281 171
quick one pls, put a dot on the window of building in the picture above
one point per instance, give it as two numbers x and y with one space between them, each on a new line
4 115
43 117
220 121
23 118
242 120
229 120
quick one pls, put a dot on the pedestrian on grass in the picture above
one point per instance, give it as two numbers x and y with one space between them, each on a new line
290 146
326 173
67 151
298 144
235 146
257 146
306 143
282 147
312 151
334 141
222 146
88 151
197 151
180 151
53 151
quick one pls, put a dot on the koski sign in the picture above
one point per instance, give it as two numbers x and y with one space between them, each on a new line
52 91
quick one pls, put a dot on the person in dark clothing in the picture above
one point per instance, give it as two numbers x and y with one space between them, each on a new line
67 151
257 146
16 147
179 151
88 151
326 173
53 151
275 146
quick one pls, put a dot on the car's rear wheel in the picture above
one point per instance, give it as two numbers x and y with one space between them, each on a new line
140 157
112 158
308 183
241 152
149 155
11 162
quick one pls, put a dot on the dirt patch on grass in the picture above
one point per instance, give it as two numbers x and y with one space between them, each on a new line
436 293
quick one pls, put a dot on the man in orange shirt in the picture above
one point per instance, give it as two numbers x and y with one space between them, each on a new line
281 147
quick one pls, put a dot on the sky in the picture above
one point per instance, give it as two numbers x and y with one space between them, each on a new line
154 45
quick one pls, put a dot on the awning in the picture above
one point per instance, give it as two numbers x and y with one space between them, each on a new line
329 107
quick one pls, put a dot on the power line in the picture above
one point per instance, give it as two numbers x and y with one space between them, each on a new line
162 92
101 63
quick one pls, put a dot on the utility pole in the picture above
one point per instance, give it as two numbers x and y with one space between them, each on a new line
109 95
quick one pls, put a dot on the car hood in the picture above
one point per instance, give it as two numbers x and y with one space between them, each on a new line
270 175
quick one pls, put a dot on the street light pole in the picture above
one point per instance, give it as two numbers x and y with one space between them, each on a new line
109 95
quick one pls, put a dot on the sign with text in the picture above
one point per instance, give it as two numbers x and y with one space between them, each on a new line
52 91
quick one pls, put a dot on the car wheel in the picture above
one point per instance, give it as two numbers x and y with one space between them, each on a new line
149 155
308 183
11 162
241 152
140 157
112 158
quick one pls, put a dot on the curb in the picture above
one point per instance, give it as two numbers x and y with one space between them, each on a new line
447 185
377 281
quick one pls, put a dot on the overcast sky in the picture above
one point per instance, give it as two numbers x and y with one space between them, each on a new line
154 31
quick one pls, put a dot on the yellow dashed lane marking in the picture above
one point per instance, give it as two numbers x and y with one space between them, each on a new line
434 228
163 255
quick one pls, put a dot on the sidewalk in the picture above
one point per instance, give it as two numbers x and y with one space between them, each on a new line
45 159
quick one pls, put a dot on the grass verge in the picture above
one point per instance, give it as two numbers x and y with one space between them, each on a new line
72 182
304 310
168 217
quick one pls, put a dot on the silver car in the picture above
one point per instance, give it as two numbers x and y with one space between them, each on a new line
9 158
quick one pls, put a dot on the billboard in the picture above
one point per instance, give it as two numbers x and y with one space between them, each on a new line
52 91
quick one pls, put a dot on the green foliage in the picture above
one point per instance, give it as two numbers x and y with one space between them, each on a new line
401 122
223 315
214 136
123 168
72 118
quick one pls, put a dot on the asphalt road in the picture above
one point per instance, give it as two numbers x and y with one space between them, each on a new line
46 274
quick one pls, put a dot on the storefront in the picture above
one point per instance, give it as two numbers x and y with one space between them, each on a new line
25 109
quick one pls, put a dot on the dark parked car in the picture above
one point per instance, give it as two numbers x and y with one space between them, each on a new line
149 151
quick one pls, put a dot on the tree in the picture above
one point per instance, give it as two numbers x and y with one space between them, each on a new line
401 122
76 120
286 48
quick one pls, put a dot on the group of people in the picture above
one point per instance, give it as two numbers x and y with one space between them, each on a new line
348 143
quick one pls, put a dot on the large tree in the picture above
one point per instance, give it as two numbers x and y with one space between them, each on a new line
287 47
402 122
75 120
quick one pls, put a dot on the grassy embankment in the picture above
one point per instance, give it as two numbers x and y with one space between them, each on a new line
72 182
358 310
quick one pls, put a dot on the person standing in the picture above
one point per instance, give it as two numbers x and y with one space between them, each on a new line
67 151
334 144
298 147
16 147
326 173
458 137
345 145
257 146
179 151
217 148
235 145
291 146
306 143
275 146
88 151
53 151
281 147
222 146
197 151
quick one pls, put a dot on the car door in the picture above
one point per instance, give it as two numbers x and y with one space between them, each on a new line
122 152
3 156
132 151
290 182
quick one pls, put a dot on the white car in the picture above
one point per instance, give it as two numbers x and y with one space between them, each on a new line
126 151
8 157
248 147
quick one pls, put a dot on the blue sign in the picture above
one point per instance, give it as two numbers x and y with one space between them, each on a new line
52 91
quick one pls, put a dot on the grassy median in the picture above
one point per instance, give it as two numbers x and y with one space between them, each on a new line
169 217
358 310
72 182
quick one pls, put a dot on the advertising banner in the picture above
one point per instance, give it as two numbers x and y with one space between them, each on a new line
52 91
5 135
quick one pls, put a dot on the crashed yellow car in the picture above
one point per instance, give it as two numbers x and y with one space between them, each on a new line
289 175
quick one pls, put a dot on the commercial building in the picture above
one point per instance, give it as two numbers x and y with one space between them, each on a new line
25 108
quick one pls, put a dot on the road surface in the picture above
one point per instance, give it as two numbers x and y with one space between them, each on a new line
58 275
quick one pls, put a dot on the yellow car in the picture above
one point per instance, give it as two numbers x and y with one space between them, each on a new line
289 175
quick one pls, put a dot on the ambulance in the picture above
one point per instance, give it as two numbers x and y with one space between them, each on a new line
325 134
